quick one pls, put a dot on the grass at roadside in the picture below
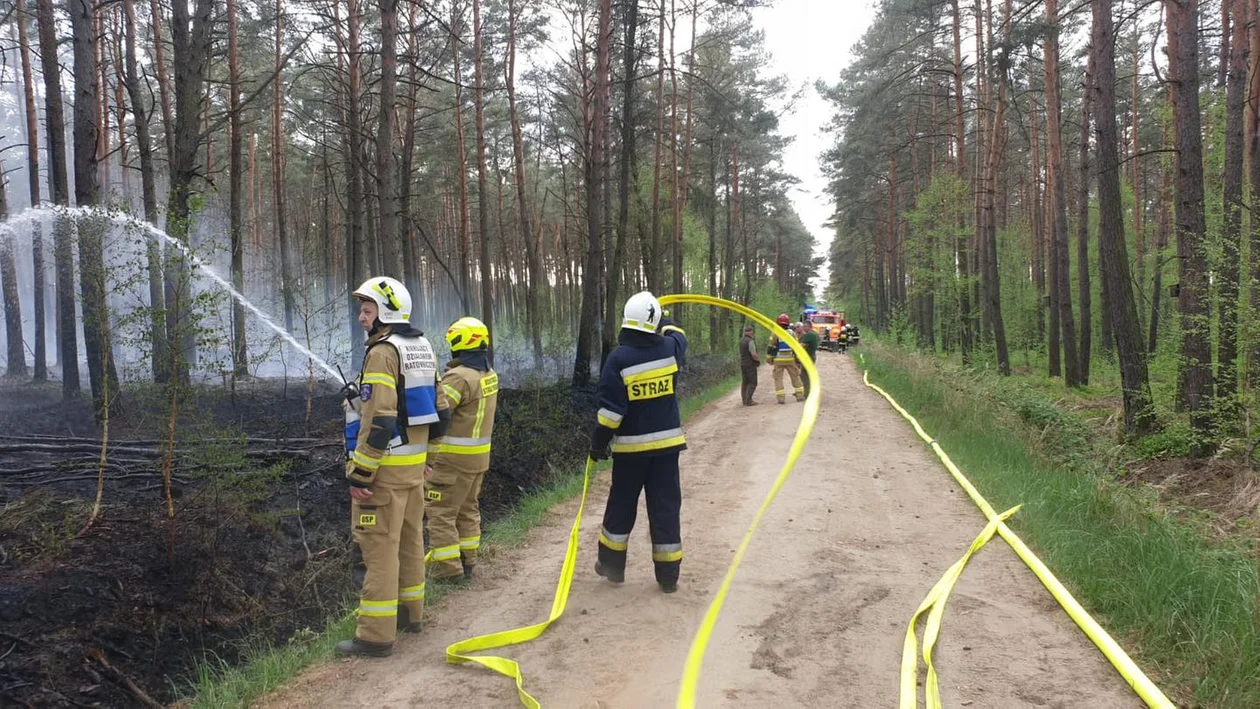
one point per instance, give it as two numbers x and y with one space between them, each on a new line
1184 605
219 684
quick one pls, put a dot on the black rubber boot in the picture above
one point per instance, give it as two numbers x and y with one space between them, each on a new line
406 624
359 648
668 586
614 575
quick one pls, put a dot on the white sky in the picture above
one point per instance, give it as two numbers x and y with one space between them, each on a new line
810 40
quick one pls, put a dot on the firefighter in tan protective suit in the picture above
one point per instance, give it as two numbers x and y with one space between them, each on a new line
784 360
388 426
459 460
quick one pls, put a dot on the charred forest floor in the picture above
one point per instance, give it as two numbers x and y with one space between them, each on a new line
125 612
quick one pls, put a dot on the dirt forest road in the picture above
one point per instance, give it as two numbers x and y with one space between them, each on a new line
817 614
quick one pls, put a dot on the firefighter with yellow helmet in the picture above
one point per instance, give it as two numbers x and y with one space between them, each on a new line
459 460
398 408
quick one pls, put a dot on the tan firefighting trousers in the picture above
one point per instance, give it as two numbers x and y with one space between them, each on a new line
387 528
454 513
794 372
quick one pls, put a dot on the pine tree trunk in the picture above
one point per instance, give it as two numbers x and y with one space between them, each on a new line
597 117
33 180
678 186
1195 385
278 167
1139 416
1058 197
627 180
483 188
148 189
388 234
1231 232
533 249
461 159
163 82
653 254
240 353
1253 149
411 277
1157 288
87 193
997 147
960 244
54 114
16 355
1084 293
191 39
1139 192
1038 228
357 262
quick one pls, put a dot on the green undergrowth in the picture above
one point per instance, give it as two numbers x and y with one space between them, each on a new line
1184 605
267 667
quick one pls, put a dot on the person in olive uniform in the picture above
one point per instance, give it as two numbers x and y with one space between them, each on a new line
809 340
749 360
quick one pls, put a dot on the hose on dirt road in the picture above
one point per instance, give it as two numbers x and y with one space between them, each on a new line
1128 669
458 652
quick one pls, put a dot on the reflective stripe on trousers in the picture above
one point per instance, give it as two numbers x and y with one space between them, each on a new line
447 552
411 593
378 609
616 542
666 552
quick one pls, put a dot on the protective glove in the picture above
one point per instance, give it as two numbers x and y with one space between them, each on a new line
600 439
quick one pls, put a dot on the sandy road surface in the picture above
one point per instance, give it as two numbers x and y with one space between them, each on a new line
816 617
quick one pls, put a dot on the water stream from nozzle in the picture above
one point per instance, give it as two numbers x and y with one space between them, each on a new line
122 219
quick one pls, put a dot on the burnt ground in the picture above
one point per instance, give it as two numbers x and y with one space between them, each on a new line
259 548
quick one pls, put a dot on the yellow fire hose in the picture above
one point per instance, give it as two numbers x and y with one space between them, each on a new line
458 652
1128 669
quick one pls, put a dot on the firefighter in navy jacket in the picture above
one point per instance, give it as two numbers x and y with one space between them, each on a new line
640 426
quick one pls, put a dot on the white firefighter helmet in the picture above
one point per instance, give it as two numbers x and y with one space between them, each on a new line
642 312
392 300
